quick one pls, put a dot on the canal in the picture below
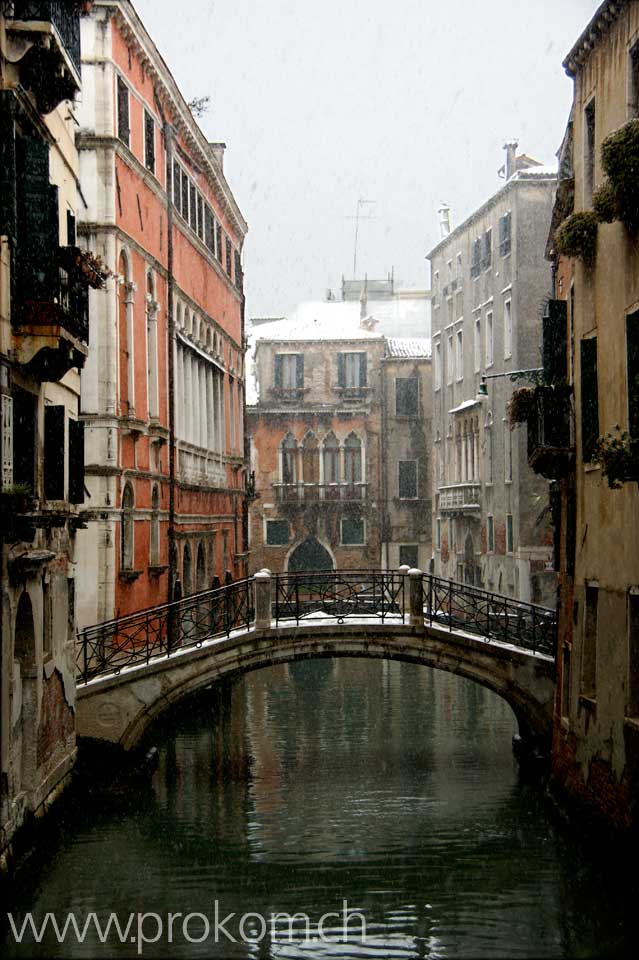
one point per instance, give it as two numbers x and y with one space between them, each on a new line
336 787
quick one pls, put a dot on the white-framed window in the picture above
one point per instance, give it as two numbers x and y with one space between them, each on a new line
353 531
289 372
450 359
508 329
489 339
126 529
409 555
459 354
438 365
477 344
490 533
351 370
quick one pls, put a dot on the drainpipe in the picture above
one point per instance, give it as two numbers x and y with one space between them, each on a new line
168 143
383 463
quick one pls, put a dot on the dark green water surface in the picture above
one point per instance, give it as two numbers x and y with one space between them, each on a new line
389 786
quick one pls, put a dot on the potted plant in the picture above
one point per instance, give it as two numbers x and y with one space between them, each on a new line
577 236
618 455
521 405
618 198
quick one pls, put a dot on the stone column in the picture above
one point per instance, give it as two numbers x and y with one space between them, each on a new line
262 586
416 597
403 572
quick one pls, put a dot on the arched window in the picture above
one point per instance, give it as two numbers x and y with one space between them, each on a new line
289 459
331 459
187 571
152 347
310 459
353 459
125 335
154 557
126 529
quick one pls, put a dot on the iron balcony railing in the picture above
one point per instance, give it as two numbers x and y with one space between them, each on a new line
316 492
551 450
492 616
65 305
160 631
459 497
339 594
64 15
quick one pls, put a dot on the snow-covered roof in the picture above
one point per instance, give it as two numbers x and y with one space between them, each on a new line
537 172
320 320
407 347
466 405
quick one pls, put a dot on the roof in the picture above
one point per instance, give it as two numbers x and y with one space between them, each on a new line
319 320
599 24
405 348
466 405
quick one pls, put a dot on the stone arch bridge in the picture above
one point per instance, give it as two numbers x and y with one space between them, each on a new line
132 669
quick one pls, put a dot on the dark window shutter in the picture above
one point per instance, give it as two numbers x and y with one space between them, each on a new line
124 131
362 369
209 229
589 398
8 208
149 142
218 232
76 461
277 374
177 186
554 341
54 453
299 371
408 479
341 370
193 208
632 346
38 227
24 438
228 256
184 207
70 229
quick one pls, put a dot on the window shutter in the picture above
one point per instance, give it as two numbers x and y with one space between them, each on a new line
554 341
177 186
589 398
299 372
277 375
76 461
362 369
632 346
54 453
218 234
8 208
149 142
24 437
38 228
124 130
341 370
7 439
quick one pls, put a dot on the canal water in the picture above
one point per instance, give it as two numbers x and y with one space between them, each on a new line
376 793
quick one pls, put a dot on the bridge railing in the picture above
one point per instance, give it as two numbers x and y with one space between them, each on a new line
460 606
160 631
339 594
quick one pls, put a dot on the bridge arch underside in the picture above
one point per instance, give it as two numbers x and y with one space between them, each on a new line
120 710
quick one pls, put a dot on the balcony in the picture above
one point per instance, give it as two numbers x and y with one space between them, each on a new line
51 318
307 493
45 40
459 498
551 451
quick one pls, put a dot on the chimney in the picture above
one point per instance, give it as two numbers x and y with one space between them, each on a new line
511 150
444 219
217 149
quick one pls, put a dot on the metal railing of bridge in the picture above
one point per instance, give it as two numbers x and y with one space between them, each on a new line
329 596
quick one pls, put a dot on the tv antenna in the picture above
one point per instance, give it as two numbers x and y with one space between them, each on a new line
360 203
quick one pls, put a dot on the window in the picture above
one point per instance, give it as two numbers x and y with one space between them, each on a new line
438 365
154 545
508 329
126 529
289 459
475 258
238 270
24 438
632 373
450 359
438 533
184 190
54 444
508 453
351 371
352 531
289 373
459 266
489 339
504 235
152 348
477 344
406 393
228 257
310 460
124 131
487 250
565 684
633 82
218 241
589 399
352 459
509 533
589 151
488 455
490 533
459 355
331 459
409 555
192 206
277 533
149 142
633 655
200 217
177 186
209 229
589 662
6 403
407 476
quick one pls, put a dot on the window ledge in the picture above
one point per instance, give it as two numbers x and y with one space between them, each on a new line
130 575
157 569
590 703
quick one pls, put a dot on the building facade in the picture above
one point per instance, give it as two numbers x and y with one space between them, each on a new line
338 447
44 337
163 390
596 730
489 282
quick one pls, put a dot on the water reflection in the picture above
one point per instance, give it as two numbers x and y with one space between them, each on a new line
386 785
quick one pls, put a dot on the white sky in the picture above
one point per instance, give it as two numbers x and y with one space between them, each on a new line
407 103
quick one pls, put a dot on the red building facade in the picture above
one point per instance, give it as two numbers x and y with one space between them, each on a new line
163 391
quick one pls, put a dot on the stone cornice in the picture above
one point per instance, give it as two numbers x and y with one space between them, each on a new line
604 16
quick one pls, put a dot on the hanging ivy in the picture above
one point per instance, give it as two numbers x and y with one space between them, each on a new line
618 198
618 455
577 236
521 405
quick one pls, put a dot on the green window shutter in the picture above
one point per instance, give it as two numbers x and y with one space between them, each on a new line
54 446
341 370
76 461
277 374
38 228
299 371
589 399
554 341
362 369
8 207
24 437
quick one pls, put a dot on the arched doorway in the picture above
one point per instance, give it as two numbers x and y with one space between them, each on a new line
310 555
25 657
